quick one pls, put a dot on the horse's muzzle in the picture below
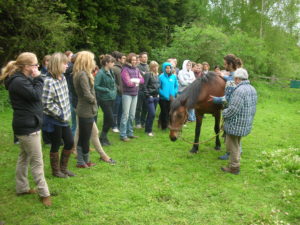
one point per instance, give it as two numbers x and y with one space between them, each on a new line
173 138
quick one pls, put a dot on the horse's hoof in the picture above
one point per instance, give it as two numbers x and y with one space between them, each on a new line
218 148
194 151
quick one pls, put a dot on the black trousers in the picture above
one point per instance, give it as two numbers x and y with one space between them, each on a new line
141 110
164 116
85 126
59 133
108 117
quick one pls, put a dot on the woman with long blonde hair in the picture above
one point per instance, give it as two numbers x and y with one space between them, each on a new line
57 113
25 85
86 109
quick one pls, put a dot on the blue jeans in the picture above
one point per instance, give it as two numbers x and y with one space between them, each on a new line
192 116
129 106
151 104
117 111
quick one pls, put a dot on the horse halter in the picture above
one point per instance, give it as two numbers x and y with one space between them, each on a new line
179 129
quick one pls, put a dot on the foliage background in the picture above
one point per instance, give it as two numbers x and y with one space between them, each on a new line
264 33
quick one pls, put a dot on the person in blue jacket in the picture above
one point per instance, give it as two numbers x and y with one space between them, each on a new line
167 92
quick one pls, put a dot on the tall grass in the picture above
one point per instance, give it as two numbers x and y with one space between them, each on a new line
157 181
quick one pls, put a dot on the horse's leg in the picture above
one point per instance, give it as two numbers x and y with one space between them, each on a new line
197 133
217 129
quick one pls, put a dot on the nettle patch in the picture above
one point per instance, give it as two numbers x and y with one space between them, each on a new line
282 160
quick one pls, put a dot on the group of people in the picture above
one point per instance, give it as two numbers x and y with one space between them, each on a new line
72 87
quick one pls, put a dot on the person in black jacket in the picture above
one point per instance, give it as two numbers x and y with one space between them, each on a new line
151 90
25 86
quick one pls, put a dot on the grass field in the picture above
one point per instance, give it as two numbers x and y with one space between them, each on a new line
157 181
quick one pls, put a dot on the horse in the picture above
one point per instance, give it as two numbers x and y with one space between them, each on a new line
197 96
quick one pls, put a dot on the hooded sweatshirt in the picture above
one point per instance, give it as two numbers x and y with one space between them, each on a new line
25 95
168 83
185 77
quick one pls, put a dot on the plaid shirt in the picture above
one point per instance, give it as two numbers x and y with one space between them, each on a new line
55 99
238 117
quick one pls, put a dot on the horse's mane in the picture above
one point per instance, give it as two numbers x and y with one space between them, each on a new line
191 93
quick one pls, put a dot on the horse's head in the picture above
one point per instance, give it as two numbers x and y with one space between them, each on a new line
178 116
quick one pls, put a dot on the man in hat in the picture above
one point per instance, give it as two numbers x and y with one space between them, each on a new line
238 118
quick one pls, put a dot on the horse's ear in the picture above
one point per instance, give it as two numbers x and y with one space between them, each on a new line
183 102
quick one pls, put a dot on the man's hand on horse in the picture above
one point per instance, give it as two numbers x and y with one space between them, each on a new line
210 98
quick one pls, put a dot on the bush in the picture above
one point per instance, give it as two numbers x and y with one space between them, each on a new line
211 44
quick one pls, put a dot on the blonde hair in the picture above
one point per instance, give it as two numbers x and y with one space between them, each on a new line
25 58
152 65
85 61
55 66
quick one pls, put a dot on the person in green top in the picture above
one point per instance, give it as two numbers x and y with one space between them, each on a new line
106 92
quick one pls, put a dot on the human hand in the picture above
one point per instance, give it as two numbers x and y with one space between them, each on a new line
210 98
35 72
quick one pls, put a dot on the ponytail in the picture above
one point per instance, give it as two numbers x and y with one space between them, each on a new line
10 68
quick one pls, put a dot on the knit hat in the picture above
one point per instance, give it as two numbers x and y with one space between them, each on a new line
241 73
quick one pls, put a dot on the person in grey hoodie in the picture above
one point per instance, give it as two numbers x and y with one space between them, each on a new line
185 77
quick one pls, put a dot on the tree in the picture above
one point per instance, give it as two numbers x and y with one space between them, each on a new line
33 25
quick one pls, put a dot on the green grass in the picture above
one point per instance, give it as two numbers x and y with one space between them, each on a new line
157 181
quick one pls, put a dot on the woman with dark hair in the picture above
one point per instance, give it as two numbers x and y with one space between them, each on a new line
131 78
25 86
57 114
117 110
151 91
106 92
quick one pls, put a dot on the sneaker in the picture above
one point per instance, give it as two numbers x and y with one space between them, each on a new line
115 130
139 126
224 157
133 136
125 139
150 134
110 161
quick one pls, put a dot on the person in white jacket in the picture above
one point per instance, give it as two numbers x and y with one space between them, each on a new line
185 77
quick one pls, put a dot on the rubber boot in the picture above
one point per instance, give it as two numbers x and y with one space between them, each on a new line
64 158
54 161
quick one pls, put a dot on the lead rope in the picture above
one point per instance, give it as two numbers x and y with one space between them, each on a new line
202 142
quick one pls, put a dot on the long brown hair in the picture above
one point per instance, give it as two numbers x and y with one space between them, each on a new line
25 58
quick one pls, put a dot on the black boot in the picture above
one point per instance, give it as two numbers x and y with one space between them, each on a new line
103 139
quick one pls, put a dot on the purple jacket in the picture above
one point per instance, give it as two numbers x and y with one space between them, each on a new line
128 72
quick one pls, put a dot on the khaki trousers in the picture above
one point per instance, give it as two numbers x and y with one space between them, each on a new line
233 147
31 153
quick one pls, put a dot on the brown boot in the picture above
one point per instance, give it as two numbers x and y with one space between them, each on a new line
54 161
233 170
64 158
46 201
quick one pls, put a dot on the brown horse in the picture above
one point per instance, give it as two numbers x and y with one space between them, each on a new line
196 96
